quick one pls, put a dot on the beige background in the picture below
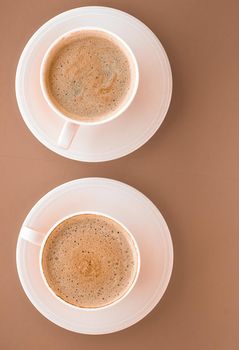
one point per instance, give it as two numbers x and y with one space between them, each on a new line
189 169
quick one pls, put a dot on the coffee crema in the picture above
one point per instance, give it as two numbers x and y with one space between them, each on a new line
89 260
88 75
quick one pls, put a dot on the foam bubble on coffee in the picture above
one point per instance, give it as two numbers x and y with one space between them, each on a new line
89 260
88 75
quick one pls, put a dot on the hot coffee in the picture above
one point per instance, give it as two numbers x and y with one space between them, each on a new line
89 260
87 75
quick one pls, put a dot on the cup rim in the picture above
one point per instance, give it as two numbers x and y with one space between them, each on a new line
90 308
122 108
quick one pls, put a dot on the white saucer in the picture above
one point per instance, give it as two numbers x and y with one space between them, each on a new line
133 128
142 218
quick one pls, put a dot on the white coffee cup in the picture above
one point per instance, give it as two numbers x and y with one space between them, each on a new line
40 238
71 126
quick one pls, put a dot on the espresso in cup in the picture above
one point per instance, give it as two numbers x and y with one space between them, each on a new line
88 75
89 260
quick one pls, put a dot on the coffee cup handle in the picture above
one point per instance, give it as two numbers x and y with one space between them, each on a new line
32 236
67 134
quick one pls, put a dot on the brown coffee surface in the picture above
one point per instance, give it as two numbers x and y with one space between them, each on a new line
88 75
89 260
